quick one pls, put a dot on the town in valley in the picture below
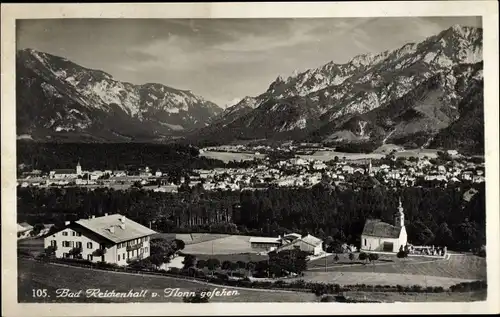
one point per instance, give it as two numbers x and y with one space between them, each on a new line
360 177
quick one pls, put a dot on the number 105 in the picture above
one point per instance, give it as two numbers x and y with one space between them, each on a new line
39 293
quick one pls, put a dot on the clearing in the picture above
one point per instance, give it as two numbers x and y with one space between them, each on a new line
389 270
191 238
226 245
231 156
33 274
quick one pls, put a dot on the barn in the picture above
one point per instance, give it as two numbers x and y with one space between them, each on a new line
308 243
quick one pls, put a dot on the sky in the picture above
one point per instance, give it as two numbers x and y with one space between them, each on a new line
222 60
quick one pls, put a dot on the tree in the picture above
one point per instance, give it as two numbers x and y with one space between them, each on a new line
402 254
233 266
201 264
225 265
372 257
336 258
444 235
363 256
250 267
327 242
37 228
189 261
75 252
50 251
241 264
351 256
213 264
179 244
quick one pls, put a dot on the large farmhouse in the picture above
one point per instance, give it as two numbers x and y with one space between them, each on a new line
381 236
112 239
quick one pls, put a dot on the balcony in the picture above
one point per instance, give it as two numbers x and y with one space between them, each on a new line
135 246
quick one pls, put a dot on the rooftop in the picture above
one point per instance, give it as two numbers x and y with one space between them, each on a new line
116 227
378 228
264 240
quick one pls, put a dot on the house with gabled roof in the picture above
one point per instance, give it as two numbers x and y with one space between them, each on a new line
110 238
306 243
382 236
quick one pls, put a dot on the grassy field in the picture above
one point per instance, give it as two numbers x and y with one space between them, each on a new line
457 266
245 257
390 270
379 278
51 277
32 274
419 297
344 261
33 246
191 238
231 156
225 245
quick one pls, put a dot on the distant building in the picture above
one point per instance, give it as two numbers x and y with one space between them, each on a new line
264 243
23 229
309 244
381 236
66 173
112 239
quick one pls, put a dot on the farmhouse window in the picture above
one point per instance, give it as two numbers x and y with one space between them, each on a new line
64 233
78 244
78 234
365 242
118 257
89 257
66 244
73 233
53 243
89 245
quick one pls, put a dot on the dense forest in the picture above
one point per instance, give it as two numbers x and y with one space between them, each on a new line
114 156
434 215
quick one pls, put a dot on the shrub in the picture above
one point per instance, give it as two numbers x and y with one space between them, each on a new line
174 270
327 298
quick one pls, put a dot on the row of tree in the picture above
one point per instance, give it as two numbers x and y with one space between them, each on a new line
439 216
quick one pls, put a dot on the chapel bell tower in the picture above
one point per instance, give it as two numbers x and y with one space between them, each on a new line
399 216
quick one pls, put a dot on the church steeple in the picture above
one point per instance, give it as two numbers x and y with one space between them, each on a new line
78 168
399 216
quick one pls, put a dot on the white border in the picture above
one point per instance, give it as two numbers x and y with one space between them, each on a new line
487 9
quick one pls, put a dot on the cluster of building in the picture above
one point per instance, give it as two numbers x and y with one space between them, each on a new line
119 240
291 241
293 172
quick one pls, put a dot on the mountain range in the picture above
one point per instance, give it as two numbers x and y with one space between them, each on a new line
59 99
426 94
411 96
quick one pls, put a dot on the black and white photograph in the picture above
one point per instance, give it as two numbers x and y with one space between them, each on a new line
250 160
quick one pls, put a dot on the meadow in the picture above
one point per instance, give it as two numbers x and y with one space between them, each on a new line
229 244
44 275
230 156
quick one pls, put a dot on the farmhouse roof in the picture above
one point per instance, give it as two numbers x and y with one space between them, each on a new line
24 226
312 240
264 240
378 228
292 235
116 228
